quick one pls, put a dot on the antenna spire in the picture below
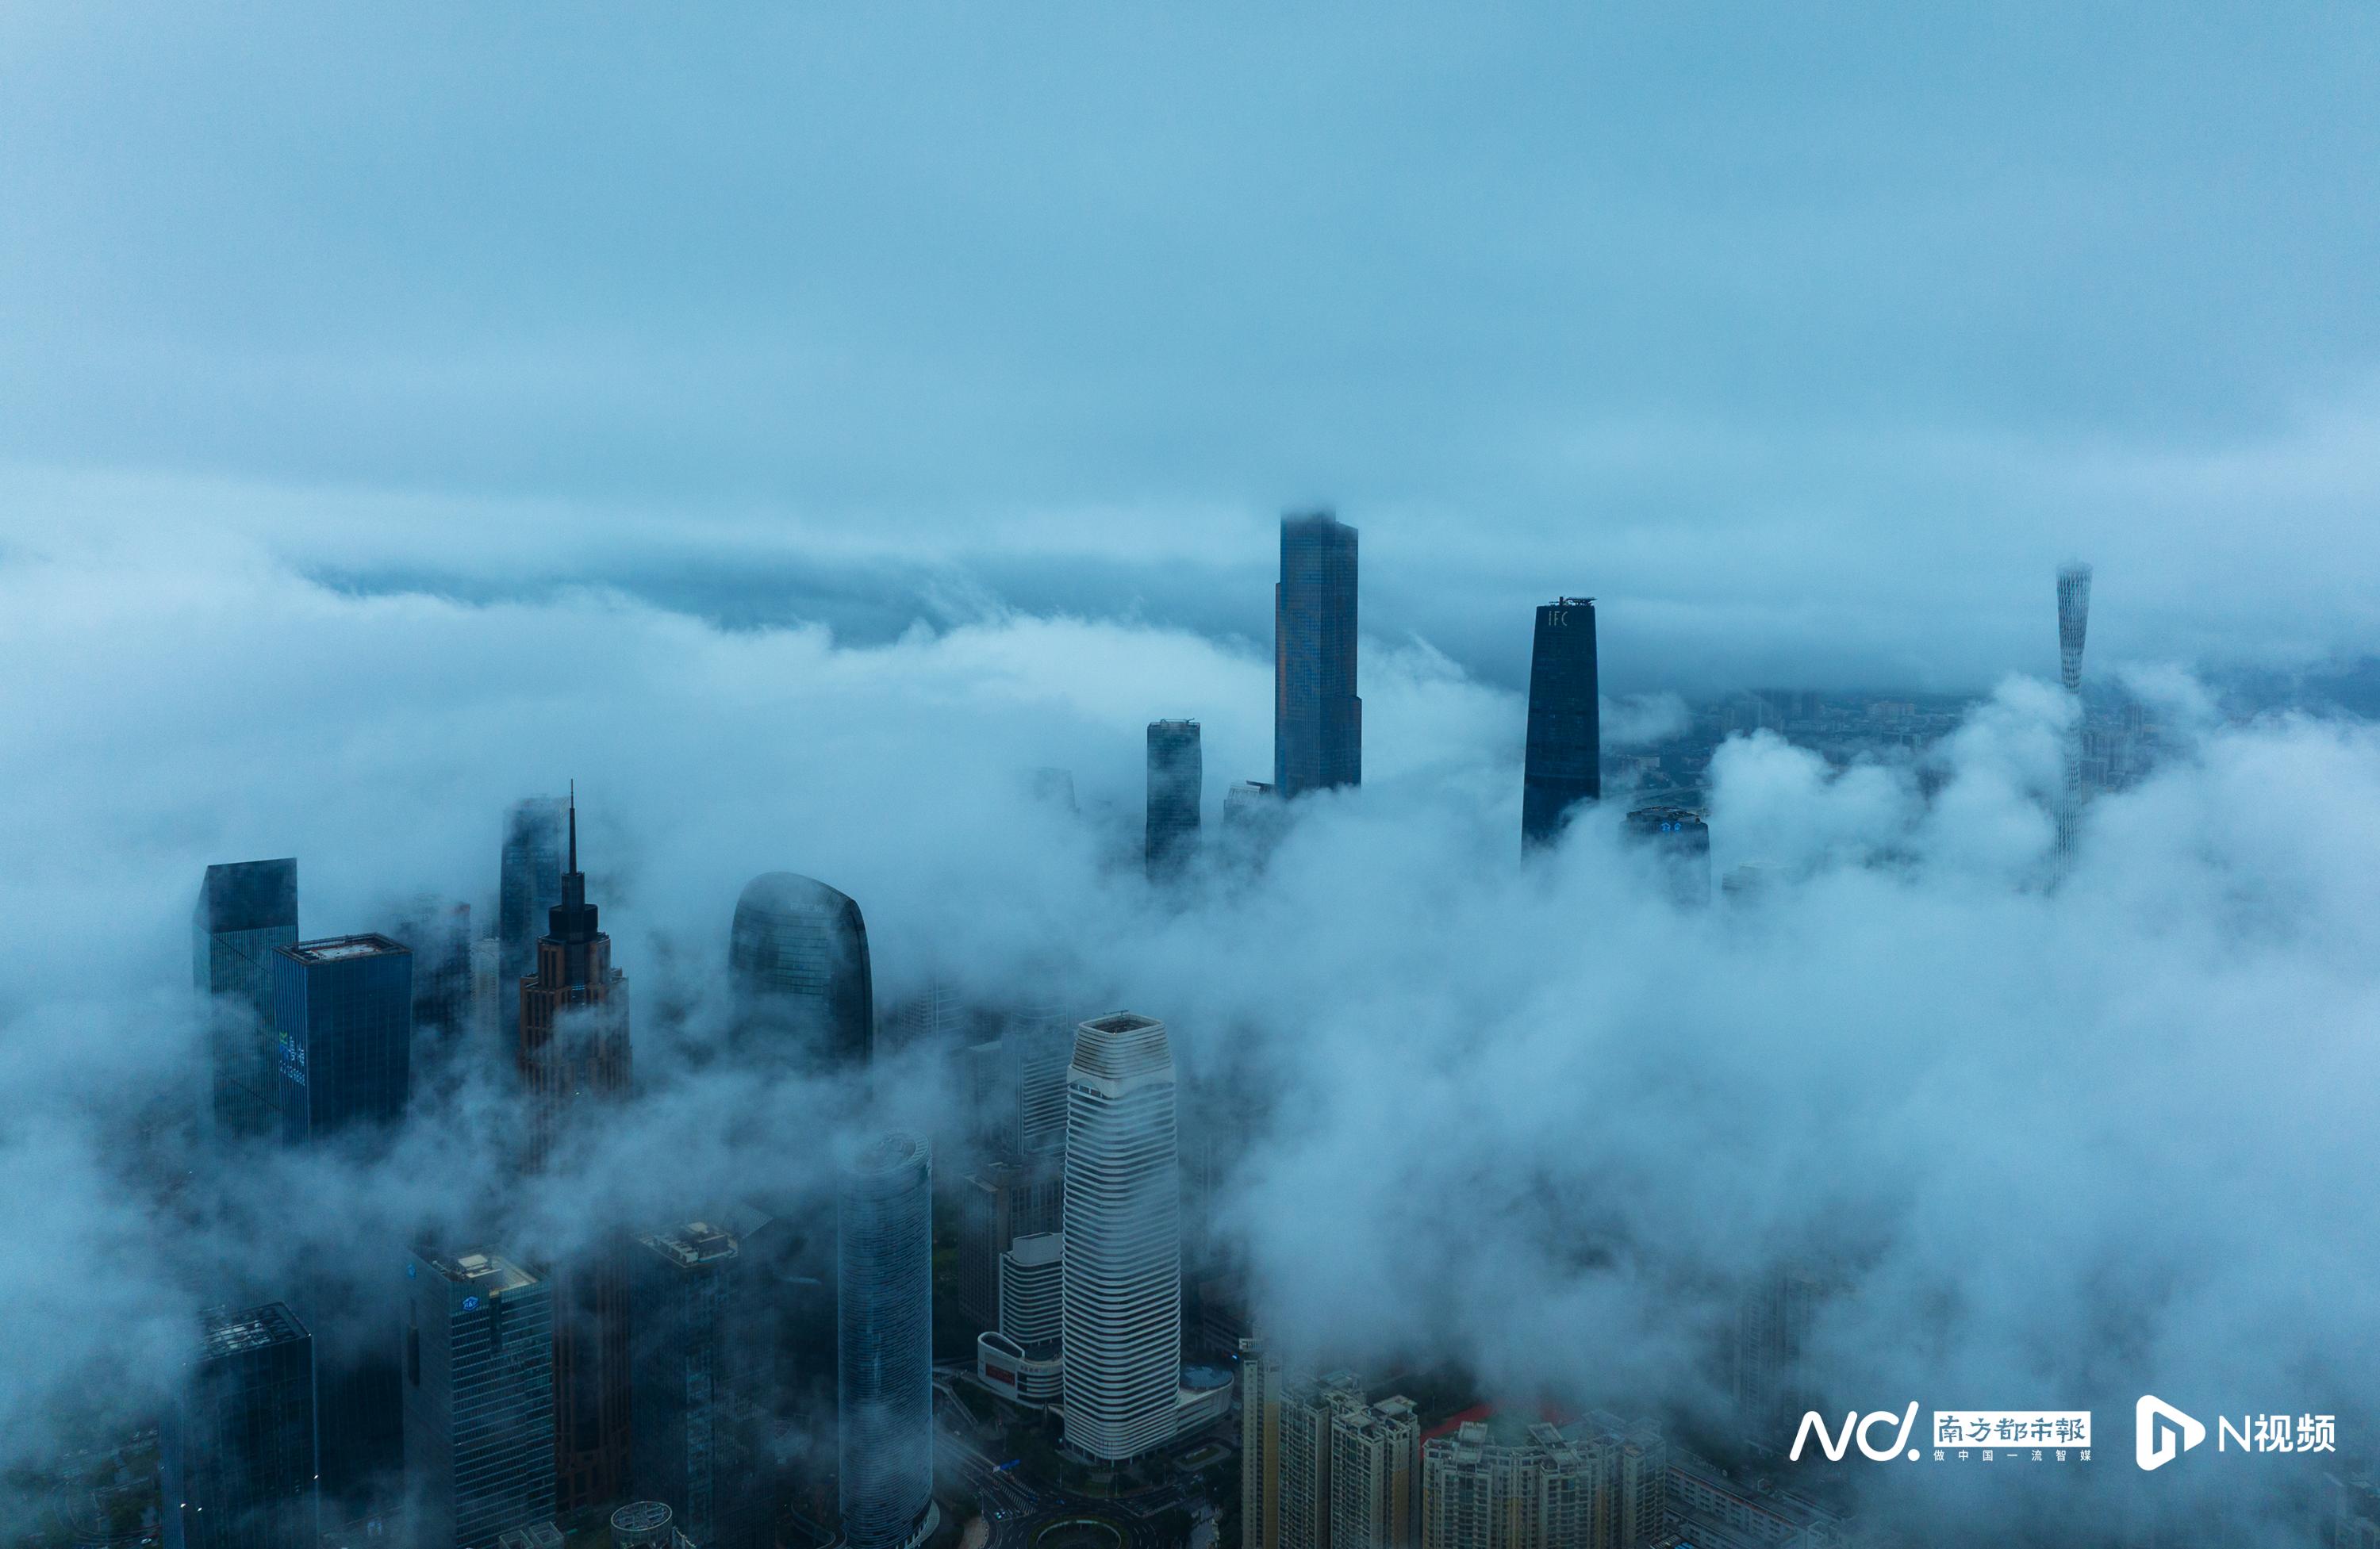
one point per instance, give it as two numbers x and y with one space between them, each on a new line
574 825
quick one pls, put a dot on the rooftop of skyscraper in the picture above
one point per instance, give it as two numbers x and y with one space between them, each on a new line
227 1330
480 1269
338 948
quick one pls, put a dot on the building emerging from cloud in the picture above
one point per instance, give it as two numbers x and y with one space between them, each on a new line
885 1376
1318 738
797 954
1565 763
1123 1288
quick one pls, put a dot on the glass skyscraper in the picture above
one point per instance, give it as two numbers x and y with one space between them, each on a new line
342 1019
886 1344
681 1377
528 886
574 1052
1318 726
1565 763
1175 771
1123 1293
245 909
478 1399
236 1459
797 955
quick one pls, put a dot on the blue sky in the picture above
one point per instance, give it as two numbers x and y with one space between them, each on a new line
1810 338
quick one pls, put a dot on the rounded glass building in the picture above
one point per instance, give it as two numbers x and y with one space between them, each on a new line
885 1344
797 956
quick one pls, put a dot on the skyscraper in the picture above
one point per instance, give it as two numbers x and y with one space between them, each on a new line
1679 840
528 886
1124 1239
1307 1406
1260 1376
683 1448
1318 727
1376 1476
438 930
1170 838
886 1344
2073 620
245 909
1564 762
573 1051
342 1019
237 1461
797 955
1002 1198
478 1397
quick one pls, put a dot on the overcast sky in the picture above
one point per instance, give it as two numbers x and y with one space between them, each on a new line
1808 337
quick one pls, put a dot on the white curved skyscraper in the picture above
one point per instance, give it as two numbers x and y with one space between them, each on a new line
1122 1285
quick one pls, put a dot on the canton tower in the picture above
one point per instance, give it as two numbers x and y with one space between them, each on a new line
573 1050
2073 619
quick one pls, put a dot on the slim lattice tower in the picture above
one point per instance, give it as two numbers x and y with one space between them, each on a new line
2073 619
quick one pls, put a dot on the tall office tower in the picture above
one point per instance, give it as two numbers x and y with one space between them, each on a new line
885 1344
1308 1407
235 1446
438 931
1680 844
1318 725
528 886
478 1397
1773 1324
683 1448
343 1018
1041 1043
1254 819
797 955
1564 762
1124 1239
1259 1446
1002 1200
574 1051
2073 620
245 909
343 1015
1376 1476
1176 780
1024 1357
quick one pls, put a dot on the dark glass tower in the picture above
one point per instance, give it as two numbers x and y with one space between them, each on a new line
438 931
1175 773
245 909
527 888
343 1015
237 1447
1564 764
478 1399
1317 721
573 1051
886 1344
342 1019
797 955
682 1377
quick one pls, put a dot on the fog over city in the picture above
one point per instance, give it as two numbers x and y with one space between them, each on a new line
797 427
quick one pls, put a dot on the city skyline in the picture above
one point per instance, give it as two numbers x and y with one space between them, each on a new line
1179 1001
